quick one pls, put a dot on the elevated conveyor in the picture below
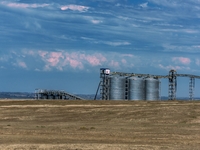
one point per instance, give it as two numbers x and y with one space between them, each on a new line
55 94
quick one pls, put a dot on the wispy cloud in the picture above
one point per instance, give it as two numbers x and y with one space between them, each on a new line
23 5
167 3
96 21
74 8
61 60
114 64
4 58
42 60
144 5
197 62
155 29
181 48
182 60
170 67
22 64
117 43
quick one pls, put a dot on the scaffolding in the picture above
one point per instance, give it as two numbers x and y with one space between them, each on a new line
104 83
172 85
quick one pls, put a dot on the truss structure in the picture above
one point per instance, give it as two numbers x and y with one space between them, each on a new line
104 86
172 85
54 94
172 78
191 88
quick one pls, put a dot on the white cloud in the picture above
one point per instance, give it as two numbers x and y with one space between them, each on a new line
114 64
62 61
198 62
75 8
23 5
4 58
190 31
196 46
20 64
181 48
167 3
182 60
117 43
96 21
144 5
174 67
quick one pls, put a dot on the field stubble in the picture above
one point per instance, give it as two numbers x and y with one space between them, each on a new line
38 124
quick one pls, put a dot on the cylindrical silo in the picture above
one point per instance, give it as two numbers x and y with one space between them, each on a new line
117 88
136 88
152 89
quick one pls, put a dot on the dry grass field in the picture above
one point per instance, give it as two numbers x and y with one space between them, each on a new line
80 125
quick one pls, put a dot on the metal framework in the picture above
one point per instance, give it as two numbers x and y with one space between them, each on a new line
191 88
54 94
172 78
104 84
172 85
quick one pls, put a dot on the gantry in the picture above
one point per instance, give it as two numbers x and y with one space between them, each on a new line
172 80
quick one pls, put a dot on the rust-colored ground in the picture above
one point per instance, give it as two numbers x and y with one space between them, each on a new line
32 124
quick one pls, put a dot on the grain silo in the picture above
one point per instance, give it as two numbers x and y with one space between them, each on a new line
117 87
152 89
136 90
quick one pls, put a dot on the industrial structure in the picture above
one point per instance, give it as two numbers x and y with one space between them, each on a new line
132 86
127 86
55 94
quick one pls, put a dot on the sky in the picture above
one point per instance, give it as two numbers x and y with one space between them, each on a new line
62 45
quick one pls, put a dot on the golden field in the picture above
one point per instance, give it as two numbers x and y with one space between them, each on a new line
83 125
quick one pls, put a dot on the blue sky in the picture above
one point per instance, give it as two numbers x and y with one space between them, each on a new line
63 44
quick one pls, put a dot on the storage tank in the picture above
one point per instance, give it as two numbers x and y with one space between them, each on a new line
152 89
117 88
136 89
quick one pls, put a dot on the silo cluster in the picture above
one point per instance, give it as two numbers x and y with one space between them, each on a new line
133 88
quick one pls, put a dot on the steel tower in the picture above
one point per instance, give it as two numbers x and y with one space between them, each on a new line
191 88
172 85
104 83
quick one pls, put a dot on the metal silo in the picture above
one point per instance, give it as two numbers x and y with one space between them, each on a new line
136 88
117 88
152 88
